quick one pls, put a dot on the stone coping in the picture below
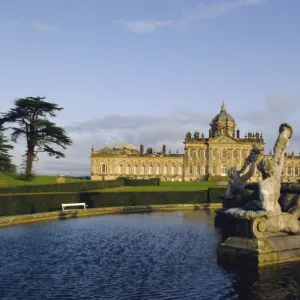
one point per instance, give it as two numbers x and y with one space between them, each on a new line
77 213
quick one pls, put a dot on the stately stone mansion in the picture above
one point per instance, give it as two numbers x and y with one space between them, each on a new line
203 156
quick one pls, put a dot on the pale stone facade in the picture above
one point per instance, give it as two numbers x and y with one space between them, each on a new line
203 156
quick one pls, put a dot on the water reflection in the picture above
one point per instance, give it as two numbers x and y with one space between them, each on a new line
169 255
272 282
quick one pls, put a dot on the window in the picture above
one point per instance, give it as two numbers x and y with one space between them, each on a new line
296 171
191 170
150 169
135 169
127 169
103 168
198 154
224 154
223 170
191 153
157 170
120 169
173 170
143 169
198 169
289 170
165 169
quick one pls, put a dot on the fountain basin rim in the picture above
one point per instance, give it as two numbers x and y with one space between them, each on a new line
90 212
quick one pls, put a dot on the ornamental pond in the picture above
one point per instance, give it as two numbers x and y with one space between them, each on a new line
161 255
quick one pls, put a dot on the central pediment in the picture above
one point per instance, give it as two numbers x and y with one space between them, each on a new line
223 139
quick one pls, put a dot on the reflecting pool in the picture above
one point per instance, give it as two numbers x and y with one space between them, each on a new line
134 256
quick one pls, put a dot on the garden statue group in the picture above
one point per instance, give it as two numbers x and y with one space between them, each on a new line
270 212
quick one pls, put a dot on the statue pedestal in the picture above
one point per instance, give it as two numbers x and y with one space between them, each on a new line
259 252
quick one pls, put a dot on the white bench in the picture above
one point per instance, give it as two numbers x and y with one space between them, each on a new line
63 206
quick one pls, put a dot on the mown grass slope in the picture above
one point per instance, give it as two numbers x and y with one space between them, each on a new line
15 180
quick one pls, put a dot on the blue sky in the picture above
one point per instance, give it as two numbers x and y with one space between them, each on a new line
146 71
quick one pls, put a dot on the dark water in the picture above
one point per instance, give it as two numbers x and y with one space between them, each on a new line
134 256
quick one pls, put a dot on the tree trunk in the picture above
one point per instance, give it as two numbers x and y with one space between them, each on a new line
29 162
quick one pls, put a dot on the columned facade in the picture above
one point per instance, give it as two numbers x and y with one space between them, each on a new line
203 157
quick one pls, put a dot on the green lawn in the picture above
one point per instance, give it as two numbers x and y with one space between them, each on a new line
165 187
11 181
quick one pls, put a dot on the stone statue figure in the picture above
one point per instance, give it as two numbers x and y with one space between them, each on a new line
271 168
266 206
236 195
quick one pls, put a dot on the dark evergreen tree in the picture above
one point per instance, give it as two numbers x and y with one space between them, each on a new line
6 165
31 115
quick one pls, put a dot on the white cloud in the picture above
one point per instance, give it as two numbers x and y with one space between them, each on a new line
45 28
36 26
144 26
154 131
204 11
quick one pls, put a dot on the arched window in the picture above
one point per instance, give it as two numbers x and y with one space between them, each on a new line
172 169
165 169
198 169
214 170
120 169
103 168
296 171
157 169
150 169
223 170
289 170
191 153
127 169
191 170
143 169
198 154
135 168
224 154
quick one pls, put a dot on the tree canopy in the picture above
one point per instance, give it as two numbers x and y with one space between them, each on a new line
31 118
6 165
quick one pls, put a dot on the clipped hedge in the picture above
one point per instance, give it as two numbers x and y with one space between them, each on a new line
38 203
140 182
64 187
213 195
34 203
95 200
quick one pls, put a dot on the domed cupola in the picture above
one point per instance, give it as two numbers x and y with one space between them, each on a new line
223 123
125 148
